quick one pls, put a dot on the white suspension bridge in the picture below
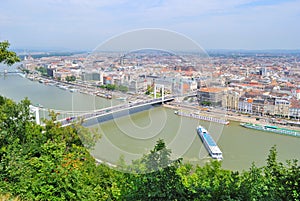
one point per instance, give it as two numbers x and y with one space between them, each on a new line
69 117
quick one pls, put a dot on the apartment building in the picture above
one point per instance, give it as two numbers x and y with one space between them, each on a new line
214 96
232 100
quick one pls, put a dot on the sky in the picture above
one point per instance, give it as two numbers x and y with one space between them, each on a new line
213 24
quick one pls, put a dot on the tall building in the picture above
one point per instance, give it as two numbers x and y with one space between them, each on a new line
101 74
245 105
269 106
91 76
263 71
294 110
258 106
214 96
282 107
232 100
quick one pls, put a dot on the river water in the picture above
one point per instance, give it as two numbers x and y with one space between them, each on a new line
132 136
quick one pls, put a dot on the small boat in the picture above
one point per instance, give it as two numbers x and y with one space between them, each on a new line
273 129
73 90
62 87
211 146
22 75
38 105
108 96
121 98
51 83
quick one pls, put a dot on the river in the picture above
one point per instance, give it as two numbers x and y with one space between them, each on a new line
134 135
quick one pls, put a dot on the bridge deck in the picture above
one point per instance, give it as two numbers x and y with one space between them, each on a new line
114 109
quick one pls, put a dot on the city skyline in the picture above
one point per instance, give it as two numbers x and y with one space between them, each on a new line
78 25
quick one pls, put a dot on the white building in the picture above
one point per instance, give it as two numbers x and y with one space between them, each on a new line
245 105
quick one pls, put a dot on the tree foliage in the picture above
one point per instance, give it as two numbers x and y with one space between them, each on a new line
6 56
42 70
71 78
206 103
44 163
155 177
149 90
51 163
112 87
122 88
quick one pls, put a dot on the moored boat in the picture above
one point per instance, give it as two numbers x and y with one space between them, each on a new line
273 129
204 118
38 105
121 98
73 90
62 87
211 146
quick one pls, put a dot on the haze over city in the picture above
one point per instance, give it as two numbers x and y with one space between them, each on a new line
216 24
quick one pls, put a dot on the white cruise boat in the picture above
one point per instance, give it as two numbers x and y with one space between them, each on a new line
209 143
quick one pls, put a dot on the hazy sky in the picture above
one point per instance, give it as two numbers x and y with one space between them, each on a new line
213 24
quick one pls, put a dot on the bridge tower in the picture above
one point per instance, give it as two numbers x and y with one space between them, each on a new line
36 110
162 91
163 94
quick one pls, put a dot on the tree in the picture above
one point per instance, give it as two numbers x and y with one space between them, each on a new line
206 103
158 158
149 90
71 78
274 181
210 182
157 179
6 56
45 163
42 70
122 88
253 184
110 87
51 163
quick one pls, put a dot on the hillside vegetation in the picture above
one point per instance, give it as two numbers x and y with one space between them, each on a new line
52 163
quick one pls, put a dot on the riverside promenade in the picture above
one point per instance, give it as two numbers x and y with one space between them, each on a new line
231 116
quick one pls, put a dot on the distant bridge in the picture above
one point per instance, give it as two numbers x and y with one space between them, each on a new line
8 72
11 72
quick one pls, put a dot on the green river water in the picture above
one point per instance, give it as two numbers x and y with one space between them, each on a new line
134 135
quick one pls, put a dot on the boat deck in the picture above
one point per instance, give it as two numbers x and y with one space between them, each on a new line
209 140
273 129
209 143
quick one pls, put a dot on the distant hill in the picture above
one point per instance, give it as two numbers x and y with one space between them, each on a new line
242 52
39 54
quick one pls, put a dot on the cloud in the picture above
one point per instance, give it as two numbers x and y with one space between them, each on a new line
94 21
256 27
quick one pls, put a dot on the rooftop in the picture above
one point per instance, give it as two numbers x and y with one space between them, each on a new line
212 89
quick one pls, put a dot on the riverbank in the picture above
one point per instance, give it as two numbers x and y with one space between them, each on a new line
231 116
223 115
136 134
